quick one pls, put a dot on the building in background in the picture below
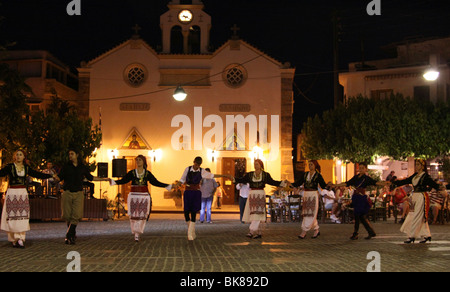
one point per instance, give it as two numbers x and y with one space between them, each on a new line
239 105
404 74
47 77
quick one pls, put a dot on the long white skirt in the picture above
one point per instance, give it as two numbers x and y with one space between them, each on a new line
415 224
310 208
138 211
16 214
255 209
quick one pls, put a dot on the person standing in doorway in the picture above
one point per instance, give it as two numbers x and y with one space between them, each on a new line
220 193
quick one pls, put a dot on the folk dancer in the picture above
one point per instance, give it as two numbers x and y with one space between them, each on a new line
192 197
311 181
16 209
73 174
139 200
360 201
416 222
255 208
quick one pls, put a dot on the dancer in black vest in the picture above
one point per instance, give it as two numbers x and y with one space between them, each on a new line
192 199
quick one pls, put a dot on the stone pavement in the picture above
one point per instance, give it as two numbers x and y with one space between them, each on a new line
222 247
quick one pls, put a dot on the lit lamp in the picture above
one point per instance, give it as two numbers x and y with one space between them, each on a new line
155 155
212 154
257 153
113 153
179 94
431 75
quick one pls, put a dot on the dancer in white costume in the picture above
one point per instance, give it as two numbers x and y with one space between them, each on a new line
139 199
255 208
416 222
16 209
311 181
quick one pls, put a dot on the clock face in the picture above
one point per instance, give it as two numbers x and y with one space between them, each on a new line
185 16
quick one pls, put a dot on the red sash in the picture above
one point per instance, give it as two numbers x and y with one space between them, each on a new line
139 189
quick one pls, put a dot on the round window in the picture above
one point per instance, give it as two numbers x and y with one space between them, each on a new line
234 75
135 75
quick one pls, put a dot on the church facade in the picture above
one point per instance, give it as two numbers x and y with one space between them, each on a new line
239 104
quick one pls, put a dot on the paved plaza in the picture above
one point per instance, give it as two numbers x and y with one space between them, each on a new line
222 247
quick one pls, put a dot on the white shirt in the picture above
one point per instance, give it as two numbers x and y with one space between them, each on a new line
329 194
205 174
244 189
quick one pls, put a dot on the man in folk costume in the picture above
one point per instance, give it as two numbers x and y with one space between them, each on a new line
416 222
139 199
255 208
73 174
360 201
16 209
192 198
311 181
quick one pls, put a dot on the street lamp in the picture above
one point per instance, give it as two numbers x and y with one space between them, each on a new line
179 94
431 75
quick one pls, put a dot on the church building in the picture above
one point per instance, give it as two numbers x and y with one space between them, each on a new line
238 107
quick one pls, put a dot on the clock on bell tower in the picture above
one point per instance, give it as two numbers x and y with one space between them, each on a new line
185 28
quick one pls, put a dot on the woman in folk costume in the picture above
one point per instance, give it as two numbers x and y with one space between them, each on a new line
192 197
16 208
139 199
311 181
416 222
255 208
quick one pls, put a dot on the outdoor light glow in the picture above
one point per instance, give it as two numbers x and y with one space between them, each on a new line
431 75
179 94
113 154
155 155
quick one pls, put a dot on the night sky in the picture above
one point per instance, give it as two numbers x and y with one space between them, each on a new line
295 31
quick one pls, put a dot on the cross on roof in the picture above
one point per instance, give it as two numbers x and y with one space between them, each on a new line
136 29
235 29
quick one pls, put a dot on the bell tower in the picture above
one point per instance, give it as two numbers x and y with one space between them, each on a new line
185 28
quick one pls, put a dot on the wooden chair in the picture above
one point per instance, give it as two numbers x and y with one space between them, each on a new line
443 213
294 208
322 214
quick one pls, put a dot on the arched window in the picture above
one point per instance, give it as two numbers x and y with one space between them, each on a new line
176 40
194 40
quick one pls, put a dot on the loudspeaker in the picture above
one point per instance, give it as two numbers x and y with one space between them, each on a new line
119 167
102 169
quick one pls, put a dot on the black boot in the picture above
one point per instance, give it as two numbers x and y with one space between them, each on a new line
71 234
354 236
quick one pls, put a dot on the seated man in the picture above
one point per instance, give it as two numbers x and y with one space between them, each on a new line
436 203
330 203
